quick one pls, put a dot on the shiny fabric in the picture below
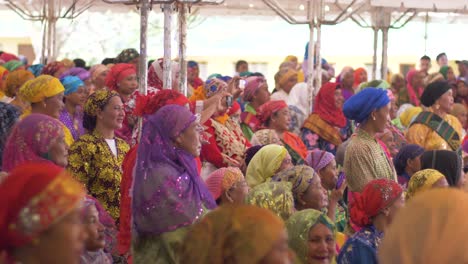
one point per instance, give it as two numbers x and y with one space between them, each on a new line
81 73
40 88
52 68
30 140
9 115
265 164
447 162
221 180
14 81
71 84
167 191
274 196
409 114
117 73
422 181
299 225
43 194
325 106
232 234
360 106
299 176
319 159
430 229
265 137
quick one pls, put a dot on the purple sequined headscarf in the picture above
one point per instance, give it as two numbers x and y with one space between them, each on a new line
168 192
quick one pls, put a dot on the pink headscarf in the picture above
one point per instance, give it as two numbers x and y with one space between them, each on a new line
413 92
319 159
251 87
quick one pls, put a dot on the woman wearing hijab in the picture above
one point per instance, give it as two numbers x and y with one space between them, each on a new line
448 74
312 237
35 138
193 75
287 78
407 162
96 158
373 210
424 180
98 76
326 128
266 137
155 76
360 76
43 224
438 231
168 192
237 235
13 83
14 65
268 161
227 186
275 115
346 81
298 107
414 88
449 163
9 115
274 196
435 128
75 96
255 95
55 69
365 159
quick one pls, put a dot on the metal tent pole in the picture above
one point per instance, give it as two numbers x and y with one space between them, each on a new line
142 66
384 53
167 71
374 58
183 48
310 73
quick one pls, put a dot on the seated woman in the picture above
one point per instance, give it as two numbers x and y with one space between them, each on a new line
436 219
449 163
227 185
268 161
373 210
55 68
96 158
265 137
414 88
237 235
424 180
168 192
435 128
98 76
275 115
35 138
13 82
43 225
274 196
75 96
326 128
255 95
9 115
312 237
286 79
407 162
298 104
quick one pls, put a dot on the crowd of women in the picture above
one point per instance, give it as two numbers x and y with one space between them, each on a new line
95 172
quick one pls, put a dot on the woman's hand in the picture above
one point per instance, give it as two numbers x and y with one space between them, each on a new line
233 87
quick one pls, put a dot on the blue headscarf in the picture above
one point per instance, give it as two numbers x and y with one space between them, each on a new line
71 84
361 105
36 69
192 64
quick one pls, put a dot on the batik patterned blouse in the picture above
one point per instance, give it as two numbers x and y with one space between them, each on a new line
92 162
361 247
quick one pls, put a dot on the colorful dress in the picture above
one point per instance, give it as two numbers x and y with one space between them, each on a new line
327 138
73 123
250 124
296 148
361 247
92 162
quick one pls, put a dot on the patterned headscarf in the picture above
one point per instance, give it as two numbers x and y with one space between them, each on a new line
274 196
212 86
265 111
13 65
96 70
265 164
14 81
40 88
9 115
360 106
252 85
155 74
97 101
30 140
127 55
78 72
117 73
147 105
222 180
71 84
167 187
43 194
240 234
422 181
299 176
377 195
319 159
36 69
299 225
407 152
52 68
265 137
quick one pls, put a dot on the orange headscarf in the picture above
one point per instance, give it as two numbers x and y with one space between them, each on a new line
357 76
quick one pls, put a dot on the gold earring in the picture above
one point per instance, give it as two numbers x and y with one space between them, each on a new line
437 107
373 118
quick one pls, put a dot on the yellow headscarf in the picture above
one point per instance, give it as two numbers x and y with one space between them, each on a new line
40 88
430 229
285 76
232 234
265 164
407 116
274 196
422 181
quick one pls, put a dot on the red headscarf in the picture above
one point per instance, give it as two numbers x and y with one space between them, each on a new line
413 92
52 68
6 57
33 198
357 76
377 195
148 105
268 109
117 73
325 106
234 108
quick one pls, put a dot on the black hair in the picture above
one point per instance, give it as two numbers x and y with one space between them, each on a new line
258 74
425 57
239 63
218 201
149 63
108 61
79 63
440 56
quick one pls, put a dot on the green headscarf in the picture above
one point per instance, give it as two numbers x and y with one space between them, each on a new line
443 70
274 196
299 225
12 65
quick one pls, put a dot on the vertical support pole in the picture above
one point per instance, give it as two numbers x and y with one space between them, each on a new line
49 18
44 42
374 58
142 66
182 48
311 72
167 71
384 53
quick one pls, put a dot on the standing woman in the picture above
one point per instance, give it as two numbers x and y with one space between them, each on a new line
414 89
287 78
9 115
13 83
168 192
365 159
326 128
435 128
96 158
75 96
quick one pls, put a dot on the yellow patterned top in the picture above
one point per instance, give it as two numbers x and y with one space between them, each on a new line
92 162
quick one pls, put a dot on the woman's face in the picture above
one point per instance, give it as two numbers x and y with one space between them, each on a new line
329 176
381 118
262 95
348 79
315 197
339 99
363 77
77 98
320 245
189 139
58 151
280 252
63 242
53 105
286 164
113 114
393 109
450 74
94 230
446 102
238 192
289 84
100 80
462 89
418 80
128 85
414 164
280 120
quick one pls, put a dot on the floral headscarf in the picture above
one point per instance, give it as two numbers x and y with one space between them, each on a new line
274 196
422 181
97 101
52 68
9 115
299 176
127 55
